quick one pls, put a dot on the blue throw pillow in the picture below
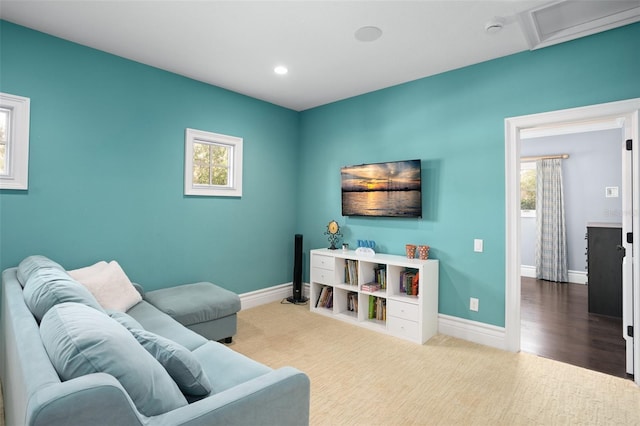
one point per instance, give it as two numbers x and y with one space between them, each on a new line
47 287
125 319
33 264
81 340
179 362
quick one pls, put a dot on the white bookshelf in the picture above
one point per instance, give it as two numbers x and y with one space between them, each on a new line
411 317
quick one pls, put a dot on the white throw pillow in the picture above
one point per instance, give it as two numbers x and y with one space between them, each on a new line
109 285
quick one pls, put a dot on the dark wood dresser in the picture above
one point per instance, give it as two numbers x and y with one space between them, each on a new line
604 268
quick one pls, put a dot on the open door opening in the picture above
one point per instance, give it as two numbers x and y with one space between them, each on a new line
625 115
563 318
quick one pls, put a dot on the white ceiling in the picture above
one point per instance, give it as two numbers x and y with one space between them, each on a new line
236 44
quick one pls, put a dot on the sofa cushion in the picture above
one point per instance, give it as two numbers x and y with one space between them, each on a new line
80 340
227 368
195 303
179 362
46 287
156 321
109 284
32 264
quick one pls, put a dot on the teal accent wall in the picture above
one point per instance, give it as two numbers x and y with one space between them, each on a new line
106 170
107 152
454 122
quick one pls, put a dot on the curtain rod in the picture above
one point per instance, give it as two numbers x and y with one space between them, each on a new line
544 157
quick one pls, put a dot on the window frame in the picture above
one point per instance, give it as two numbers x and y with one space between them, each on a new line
234 186
17 150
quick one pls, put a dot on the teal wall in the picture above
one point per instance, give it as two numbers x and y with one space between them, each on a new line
106 163
454 122
106 170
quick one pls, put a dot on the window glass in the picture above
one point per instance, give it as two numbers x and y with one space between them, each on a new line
211 165
528 188
5 119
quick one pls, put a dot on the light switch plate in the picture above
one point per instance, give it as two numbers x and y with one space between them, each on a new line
478 245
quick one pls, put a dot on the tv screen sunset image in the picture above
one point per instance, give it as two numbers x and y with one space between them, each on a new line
382 189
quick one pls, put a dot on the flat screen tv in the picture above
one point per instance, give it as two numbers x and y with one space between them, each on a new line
392 189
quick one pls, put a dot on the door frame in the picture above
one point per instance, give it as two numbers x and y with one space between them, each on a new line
627 113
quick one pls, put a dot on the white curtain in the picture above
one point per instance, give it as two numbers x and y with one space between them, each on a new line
551 247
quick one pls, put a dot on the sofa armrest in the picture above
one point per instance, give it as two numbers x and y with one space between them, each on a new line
93 399
279 397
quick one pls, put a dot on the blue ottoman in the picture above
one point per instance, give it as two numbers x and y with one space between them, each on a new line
203 307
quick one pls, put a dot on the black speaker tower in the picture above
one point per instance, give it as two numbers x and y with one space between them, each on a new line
297 271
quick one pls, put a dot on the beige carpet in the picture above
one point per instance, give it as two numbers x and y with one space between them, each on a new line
360 377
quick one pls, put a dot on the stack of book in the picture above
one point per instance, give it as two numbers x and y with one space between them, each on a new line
351 272
325 299
377 308
371 287
381 276
352 301
409 280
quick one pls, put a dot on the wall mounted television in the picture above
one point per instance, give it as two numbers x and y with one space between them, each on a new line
391 189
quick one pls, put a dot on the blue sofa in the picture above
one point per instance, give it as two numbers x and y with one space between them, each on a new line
40 344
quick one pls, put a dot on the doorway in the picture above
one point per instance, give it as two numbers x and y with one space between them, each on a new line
624 114
556 319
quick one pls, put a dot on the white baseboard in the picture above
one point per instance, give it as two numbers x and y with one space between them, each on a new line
575 277
528 271
472 331
270 294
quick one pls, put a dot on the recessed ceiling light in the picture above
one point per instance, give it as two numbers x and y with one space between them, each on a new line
368 33
280 70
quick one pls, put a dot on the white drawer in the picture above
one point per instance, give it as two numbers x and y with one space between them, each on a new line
402 328
408 311
322 276
323 262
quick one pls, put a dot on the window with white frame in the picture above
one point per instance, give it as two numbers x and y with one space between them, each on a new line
213 164
14 141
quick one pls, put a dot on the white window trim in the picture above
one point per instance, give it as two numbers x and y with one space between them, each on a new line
234 189
17 160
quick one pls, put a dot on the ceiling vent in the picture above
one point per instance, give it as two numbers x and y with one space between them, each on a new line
566 20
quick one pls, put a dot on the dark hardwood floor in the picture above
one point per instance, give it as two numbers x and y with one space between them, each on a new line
556 324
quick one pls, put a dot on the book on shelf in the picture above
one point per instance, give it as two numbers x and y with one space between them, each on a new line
371 287
377 308
409 282
351 272
352 302
380 273
325 298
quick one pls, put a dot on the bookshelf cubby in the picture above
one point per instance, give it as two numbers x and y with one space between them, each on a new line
386 293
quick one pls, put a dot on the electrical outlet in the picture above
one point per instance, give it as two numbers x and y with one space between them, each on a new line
474 304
